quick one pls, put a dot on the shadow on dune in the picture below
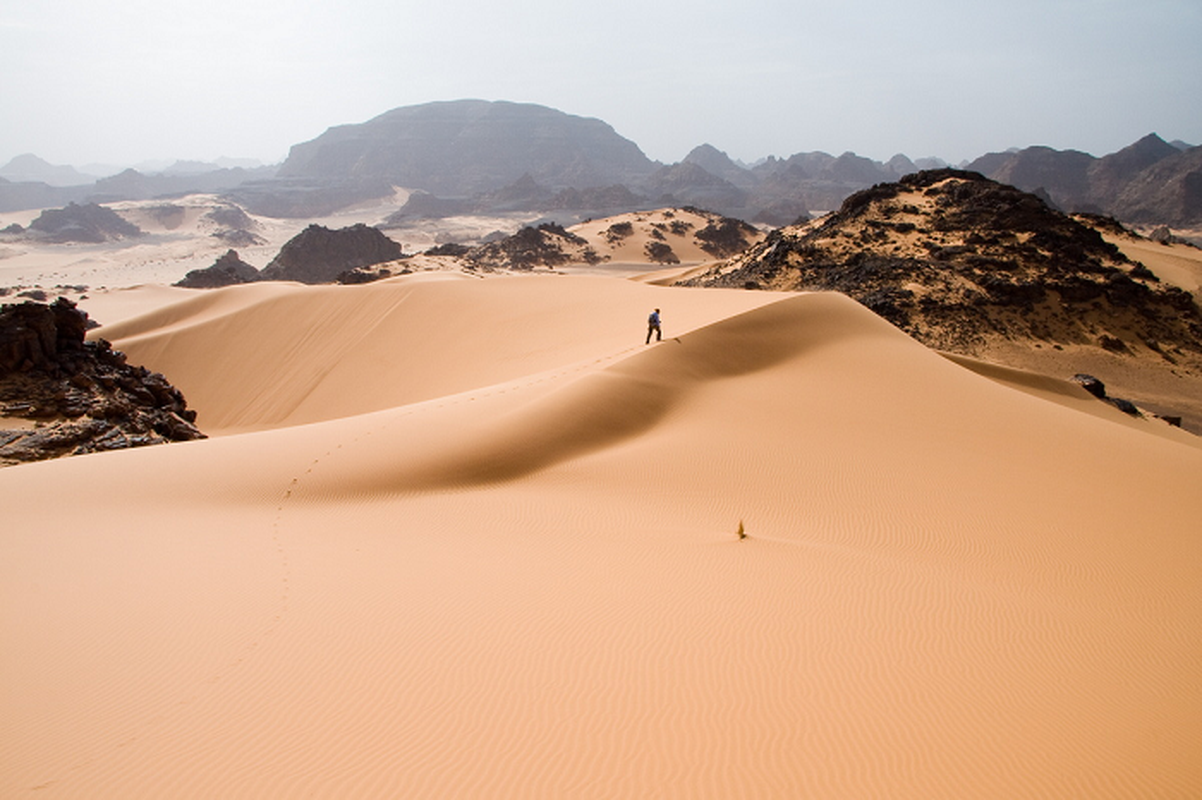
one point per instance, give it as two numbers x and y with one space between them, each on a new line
625 401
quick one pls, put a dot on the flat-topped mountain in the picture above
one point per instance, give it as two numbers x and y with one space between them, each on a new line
468 146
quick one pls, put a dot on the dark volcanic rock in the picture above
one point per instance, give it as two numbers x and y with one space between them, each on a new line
1091 384
319 255
226 271
89 223
68 396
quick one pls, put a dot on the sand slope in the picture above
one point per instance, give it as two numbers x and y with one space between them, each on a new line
503 562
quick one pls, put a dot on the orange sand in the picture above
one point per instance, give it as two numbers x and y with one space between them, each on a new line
472 538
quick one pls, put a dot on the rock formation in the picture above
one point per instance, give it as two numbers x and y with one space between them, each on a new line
319 255
225 271
61 395
90 223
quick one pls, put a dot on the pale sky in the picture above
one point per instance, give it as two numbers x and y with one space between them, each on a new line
124 81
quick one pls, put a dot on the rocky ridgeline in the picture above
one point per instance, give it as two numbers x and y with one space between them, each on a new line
61 395
958 260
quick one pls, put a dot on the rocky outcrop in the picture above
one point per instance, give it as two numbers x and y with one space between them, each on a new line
90 223
228 270
61 395
319 255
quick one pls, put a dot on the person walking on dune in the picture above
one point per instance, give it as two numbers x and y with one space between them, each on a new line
653 327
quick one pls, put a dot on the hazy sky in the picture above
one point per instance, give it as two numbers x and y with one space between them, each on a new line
122 81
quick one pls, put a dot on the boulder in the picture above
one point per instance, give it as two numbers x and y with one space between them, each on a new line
1091 384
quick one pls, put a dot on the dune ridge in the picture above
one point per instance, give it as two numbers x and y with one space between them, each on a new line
523 578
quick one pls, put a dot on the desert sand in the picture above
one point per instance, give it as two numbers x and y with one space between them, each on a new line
458 537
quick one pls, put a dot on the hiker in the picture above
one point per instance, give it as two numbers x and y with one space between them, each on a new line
653 327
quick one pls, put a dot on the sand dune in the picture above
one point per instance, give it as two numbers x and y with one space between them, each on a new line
464 537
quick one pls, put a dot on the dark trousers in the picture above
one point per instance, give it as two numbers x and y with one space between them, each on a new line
653 329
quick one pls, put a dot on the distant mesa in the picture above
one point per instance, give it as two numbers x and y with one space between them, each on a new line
318 254
228 270
465 147
482 157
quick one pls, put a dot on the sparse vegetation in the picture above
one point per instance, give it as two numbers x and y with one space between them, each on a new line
725 237
661 253
618 231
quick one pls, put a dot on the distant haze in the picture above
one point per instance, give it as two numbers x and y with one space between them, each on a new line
131 80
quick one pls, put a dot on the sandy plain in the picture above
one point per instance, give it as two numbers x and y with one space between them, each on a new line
469 537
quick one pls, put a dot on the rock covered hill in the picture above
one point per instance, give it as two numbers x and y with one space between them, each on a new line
664 236
960 261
